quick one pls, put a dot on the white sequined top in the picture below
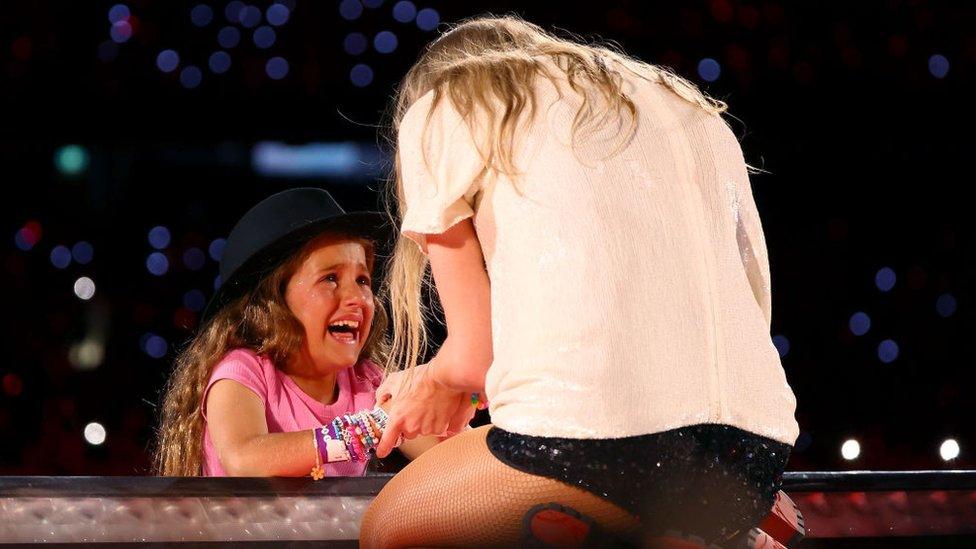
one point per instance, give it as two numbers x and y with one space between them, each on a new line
630 289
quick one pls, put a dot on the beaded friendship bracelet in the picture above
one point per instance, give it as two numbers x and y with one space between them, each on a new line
350 437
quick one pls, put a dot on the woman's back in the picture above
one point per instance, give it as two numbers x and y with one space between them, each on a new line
629 281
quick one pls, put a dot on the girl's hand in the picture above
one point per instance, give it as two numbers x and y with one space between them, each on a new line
424 407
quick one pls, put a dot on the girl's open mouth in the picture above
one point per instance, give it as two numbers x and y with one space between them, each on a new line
345 331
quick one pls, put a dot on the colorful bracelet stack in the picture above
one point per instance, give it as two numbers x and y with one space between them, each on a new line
351 437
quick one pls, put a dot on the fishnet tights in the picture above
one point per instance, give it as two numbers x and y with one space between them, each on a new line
458 495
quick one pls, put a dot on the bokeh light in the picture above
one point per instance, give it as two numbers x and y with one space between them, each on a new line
71 159
12 385
159 237
118 12
28 236
155 346
888 351
385 42
219 62
277 14
121 32
404 11
87 354
782 345
851 449
428 19
233 11
860 323
264 37
157 264
194 258
250 17
191 76
709 70
945 305
276 68
350 9
949 450
361 75
228 37
938 66
95 434
201 15
216 248
885 279
355 43
84 288
60 257
168 60
194 300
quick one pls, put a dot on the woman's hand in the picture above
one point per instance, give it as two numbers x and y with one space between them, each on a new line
421 406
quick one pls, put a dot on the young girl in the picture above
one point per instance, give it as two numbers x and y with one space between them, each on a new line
593 241
284 367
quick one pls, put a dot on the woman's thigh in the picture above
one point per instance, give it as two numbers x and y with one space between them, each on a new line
458 494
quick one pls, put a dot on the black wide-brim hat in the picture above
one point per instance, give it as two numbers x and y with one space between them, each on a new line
278 226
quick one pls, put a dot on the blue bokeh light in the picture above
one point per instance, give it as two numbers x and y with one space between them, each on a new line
782 345
938 66
194 258
168 60
159 237
361 75
385 42
82 252
404 11
191 76
121 32
355 43
157 263
155 346
118 12
216 248
194 300
888 351
61 257
264 37
428 19
860 323
350 9
709 70
277 14
219 62
201 15
233 11
228 37
249 17
276 68
945 305
885 279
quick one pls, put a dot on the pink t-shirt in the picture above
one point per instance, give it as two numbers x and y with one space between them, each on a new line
287 408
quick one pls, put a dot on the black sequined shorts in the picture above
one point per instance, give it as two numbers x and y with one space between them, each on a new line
707 480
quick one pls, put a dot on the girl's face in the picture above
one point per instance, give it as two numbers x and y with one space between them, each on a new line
331 296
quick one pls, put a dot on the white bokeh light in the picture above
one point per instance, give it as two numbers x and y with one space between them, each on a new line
84 288
851 449
94 433
949 449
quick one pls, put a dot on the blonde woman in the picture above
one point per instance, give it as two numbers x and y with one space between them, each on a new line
289 345
589 225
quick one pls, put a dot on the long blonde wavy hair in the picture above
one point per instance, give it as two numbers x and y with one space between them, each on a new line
486 67
260 321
